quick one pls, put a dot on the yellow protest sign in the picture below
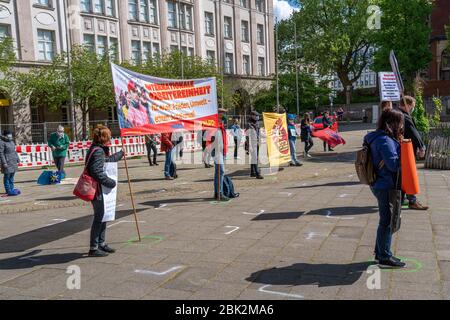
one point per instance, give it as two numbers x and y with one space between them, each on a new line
277 138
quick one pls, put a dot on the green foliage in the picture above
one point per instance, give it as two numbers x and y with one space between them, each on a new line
435 119
405 30
333 36
7 59
419 115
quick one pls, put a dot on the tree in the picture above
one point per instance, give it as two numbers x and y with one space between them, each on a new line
7 59
334 37
405 30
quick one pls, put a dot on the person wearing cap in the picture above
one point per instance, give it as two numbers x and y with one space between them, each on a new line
292 132
218 148
252 143
9 162
59 143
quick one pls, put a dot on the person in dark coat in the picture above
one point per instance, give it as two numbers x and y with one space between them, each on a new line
9 161
306 134
385 150
150 144
96 157
327 123
252 143
412 134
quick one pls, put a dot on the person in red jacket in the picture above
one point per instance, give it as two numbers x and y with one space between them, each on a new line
167 147
219 152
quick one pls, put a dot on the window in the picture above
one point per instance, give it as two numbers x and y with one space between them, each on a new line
45 3
184 50
244 3
260 34
210 56
102 45
188 17
110 8
99 7
46 45
85 5
153 13
228 63
209 23
132 10
244 30
228 29
172 14
64 115
155 50
191 52
114 49
261 67
246 65
260 5
89 42
136 52
4 32
143 11
174 48
146 51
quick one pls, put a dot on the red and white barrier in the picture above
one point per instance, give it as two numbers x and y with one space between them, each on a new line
36 155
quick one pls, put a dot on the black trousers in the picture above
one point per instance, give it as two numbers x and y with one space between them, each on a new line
237 142
151 147
254 168
308 144
325 146
98 229
59 162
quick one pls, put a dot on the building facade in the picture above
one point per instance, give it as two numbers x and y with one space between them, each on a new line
235 34
437 77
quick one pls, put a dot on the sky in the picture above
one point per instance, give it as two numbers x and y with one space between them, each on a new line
283 9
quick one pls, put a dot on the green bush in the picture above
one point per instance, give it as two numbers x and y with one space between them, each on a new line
419 116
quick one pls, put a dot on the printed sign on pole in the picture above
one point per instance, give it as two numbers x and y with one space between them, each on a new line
110 195
389 90
396 70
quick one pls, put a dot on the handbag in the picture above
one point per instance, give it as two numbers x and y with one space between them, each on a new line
395 203
86 187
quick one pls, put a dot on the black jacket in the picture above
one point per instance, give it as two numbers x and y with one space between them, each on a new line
96 163
411 132
327 122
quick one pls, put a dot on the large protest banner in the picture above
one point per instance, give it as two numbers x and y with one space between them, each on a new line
277 138
389 90
147 105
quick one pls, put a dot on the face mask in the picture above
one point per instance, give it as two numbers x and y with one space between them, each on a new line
9 137
60 134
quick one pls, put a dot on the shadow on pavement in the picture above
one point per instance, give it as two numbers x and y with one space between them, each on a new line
322 275
278 216
29 260
65 198
331 184
349 156
158 203
344 211
47 234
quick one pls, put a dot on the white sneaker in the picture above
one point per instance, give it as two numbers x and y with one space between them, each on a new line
308 155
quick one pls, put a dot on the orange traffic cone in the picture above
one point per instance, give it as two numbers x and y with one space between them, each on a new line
410 180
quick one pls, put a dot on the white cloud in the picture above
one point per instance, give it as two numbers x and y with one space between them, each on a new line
282 9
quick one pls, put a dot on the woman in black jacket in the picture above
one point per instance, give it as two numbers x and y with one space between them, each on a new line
97 155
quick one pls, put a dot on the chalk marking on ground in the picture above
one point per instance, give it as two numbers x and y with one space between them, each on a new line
311 235
286 193
123 221
254 214
59 221
40 203
234 229
155 273
163 206
345 195
329 213
263 289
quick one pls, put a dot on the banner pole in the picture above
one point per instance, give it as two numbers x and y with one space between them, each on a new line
131 192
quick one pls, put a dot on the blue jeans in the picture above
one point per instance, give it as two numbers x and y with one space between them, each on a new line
293 151
168 162
219 168
8 182
384 235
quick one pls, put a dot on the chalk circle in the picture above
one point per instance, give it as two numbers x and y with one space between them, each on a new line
145 240
220 202
417 266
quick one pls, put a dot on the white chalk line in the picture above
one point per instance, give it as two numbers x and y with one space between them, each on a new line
156 273
234 229
58 221
163 206
328 212
123 221
263 289
286 193
254 214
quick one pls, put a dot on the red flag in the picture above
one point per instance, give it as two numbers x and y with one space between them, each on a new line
332 138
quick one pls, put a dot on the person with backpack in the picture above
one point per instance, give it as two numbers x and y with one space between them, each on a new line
97 155
306 134
9 162
292 133
407 105
383 147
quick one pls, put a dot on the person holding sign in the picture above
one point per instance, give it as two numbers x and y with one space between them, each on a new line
407 105
98 154
327 123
